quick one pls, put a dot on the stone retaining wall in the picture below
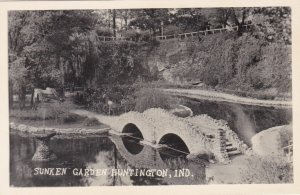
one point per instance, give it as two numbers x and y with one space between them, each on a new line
60 132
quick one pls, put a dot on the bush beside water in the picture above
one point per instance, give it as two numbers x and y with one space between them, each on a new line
91 122
152 98
137 97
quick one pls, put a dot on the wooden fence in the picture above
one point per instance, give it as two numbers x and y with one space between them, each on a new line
181 35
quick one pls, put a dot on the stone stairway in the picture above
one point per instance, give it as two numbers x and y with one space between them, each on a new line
231 150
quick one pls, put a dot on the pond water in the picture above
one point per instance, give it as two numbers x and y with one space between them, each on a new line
108 154
104 154
245 120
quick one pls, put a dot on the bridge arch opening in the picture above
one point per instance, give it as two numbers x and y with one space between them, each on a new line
175 147
132 139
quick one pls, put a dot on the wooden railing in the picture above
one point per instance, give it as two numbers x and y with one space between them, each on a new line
203 33
181 35
104 38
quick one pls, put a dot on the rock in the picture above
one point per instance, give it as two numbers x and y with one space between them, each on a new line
267 142
43 152
181 111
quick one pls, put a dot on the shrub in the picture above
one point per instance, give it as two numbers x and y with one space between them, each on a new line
80 98
69 118
104 32
285 135
146 36
95 99
51 111
152 98
238 62
91 122
58 112
172 30
131 34
266 170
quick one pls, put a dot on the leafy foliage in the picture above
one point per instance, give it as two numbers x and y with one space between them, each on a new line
247 63
91 122
52 48
266 170
285 136
152 98
172 30
150 19
273 23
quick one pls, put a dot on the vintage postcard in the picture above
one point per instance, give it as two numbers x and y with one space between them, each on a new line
129 96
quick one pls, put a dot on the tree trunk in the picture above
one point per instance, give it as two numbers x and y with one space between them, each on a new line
126 23
22 96
62 73
154 33
11 94
31 100
114 22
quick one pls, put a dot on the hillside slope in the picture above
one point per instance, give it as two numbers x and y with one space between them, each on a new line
224 60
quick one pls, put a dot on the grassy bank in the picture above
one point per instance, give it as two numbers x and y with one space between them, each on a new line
53 115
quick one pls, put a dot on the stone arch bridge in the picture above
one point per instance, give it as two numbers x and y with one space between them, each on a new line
201 134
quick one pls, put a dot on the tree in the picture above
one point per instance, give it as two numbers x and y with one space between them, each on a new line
125 15
114 21
220 17
190 19
273 23
42 40
20 35
240 16
150 19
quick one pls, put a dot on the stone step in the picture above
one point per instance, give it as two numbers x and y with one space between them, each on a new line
233 153
210 136
228 143
230 148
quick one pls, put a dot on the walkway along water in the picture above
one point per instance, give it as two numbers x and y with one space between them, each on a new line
218 96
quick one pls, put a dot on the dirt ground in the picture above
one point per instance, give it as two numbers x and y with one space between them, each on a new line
227 174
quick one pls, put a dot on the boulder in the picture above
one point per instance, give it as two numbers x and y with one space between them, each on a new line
181 111
269 141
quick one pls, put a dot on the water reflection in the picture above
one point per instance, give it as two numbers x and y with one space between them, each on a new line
150 158
131 145
105 153
245 120
132 139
